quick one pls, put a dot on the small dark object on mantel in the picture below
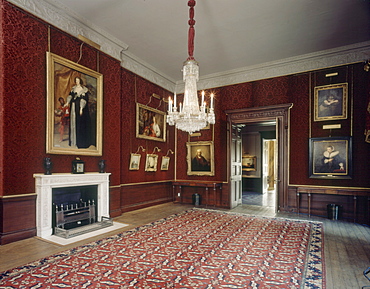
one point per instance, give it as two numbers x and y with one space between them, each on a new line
78 166
102 166
47 166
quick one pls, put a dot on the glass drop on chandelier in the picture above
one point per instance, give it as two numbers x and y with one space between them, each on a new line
191 116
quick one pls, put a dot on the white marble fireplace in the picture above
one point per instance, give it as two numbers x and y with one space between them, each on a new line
44 185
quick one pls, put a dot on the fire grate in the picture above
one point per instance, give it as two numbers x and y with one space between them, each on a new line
69 233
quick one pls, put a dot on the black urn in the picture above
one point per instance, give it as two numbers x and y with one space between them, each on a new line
102 166
47 166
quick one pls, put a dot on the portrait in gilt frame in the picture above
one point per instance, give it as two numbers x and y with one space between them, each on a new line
74 108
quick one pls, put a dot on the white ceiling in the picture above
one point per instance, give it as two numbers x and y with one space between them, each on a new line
229 34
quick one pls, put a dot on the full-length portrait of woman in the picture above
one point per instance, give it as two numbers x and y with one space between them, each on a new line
79 125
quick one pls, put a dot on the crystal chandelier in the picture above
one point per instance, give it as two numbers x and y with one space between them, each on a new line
191 116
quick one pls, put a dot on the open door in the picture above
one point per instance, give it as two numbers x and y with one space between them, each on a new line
269 175
236 166
280 115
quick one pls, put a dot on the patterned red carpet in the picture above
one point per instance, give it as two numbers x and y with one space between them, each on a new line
195 249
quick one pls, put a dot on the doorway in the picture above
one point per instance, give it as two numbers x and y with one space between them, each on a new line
279 114
259 164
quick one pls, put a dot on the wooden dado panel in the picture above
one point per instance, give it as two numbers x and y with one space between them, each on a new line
115 202
137 196
18 218
354 203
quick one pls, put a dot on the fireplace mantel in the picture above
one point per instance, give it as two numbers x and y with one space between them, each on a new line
44 185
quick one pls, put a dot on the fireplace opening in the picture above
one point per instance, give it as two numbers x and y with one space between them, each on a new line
74 207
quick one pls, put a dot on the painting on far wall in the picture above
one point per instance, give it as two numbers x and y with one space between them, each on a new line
331 102
74 108
331 157
249 163
200 158
150 123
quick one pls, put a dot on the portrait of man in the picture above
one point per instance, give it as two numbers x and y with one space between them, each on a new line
200 158
199 162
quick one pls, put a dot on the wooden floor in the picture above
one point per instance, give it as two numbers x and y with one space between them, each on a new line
347 245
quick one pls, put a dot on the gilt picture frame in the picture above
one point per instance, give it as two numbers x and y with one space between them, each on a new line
331 102
249 163
134 162
150 123
151 162
200 158
165 163
330 157
74 108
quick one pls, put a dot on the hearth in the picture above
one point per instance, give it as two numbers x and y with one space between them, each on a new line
71 204
74 206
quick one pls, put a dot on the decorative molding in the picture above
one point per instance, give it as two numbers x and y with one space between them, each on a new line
18 196
145 70
258 112
62 17
256 115
65 19
294 186
308 62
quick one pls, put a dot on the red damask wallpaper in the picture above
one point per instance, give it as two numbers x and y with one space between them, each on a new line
24 93
138 90
24 97
25 42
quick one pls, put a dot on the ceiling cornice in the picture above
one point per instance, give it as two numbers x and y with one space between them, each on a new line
303 63
54 14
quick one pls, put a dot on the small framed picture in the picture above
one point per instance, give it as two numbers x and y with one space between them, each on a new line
330 157
78 166
200 158
165 163
249 163
135 162
151 163
330 102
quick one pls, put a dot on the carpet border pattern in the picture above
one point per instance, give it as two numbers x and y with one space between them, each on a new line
313 273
